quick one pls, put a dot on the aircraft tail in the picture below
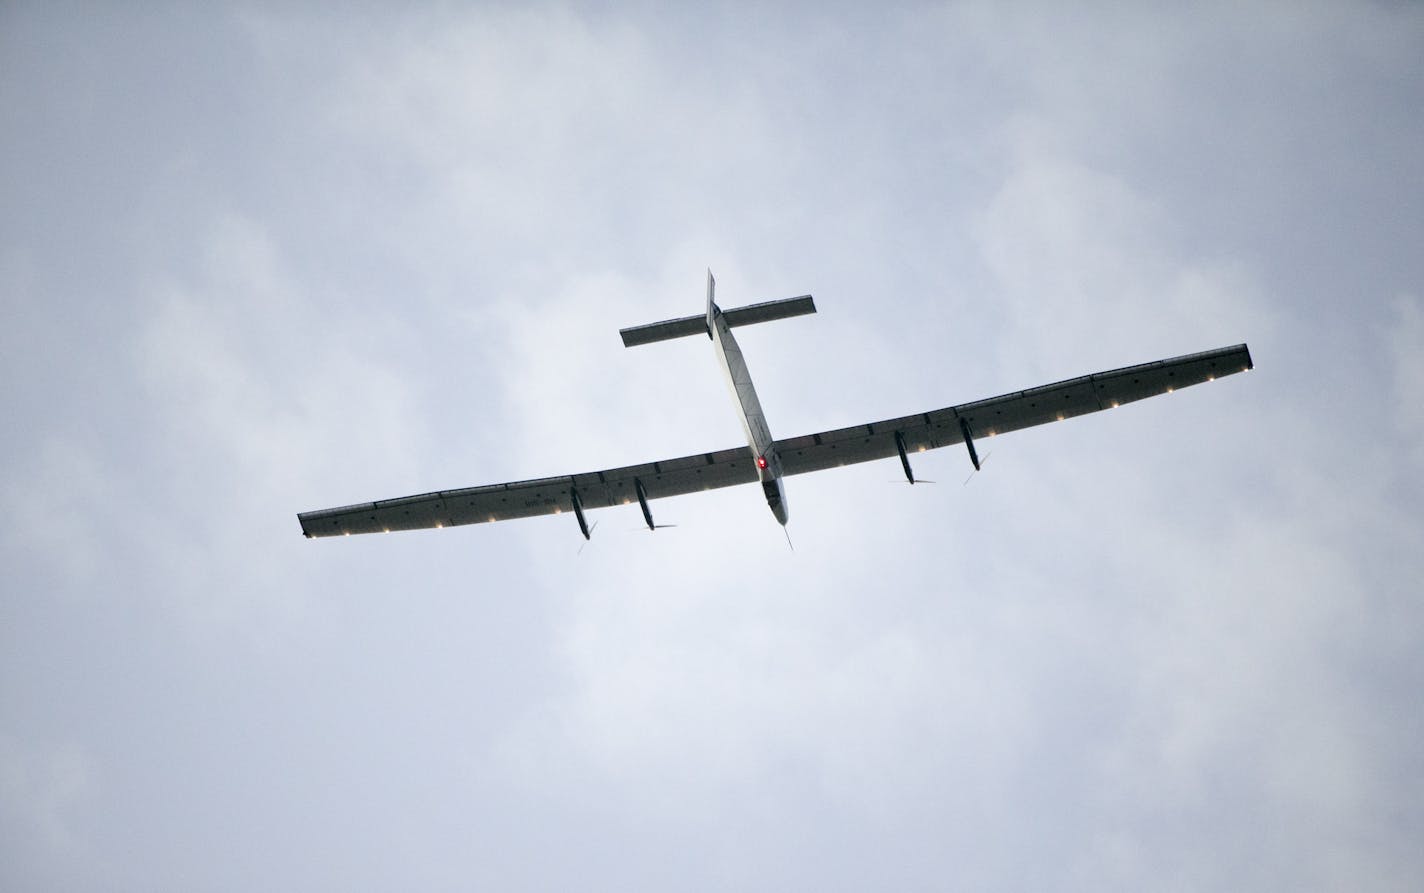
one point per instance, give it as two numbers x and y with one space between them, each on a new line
702 324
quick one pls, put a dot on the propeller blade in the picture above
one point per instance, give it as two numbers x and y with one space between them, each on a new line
982 463
588 538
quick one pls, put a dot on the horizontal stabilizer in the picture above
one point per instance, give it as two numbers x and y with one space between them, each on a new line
766 312
663 331
697 325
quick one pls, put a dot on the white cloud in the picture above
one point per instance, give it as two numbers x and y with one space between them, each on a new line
1083 267
255 405
56 499
41 790
1405 343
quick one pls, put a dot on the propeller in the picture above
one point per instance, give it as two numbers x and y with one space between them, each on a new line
982 463
588 538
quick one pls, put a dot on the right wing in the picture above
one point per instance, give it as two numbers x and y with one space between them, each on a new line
1009 412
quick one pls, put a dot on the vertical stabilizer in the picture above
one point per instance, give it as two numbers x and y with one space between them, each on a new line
711 302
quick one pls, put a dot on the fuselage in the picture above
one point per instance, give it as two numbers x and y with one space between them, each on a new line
739 379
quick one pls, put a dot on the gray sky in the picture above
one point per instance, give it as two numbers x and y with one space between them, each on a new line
256 261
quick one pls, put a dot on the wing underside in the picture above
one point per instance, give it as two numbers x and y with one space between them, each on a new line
1008 412
543 496
811 452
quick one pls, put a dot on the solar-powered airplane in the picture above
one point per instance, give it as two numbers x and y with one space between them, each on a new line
764 459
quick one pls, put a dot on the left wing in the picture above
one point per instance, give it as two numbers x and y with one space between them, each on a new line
544 496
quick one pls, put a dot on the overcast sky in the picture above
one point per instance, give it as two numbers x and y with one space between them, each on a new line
259 260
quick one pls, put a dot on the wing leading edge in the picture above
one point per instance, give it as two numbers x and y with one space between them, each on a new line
811 452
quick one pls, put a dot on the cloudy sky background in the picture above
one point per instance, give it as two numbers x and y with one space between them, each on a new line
255 261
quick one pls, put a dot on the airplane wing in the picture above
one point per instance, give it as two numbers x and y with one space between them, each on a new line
1009 412
544 496
811 452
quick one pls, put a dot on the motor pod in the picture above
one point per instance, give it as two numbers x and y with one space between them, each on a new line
578 511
